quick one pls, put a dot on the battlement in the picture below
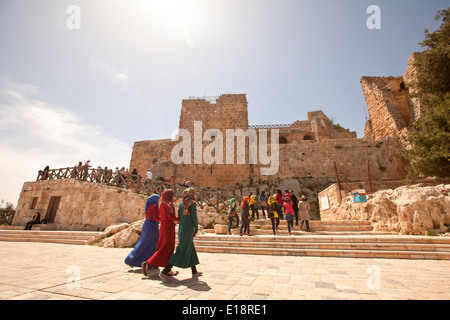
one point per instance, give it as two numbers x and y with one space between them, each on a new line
228 111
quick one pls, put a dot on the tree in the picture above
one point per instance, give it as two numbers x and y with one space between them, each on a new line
6 206
429 154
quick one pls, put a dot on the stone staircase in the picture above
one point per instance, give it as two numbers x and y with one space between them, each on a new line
328 239
354 227
354 246
42 234
354 239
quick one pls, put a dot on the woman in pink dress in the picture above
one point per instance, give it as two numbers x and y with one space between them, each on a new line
166 241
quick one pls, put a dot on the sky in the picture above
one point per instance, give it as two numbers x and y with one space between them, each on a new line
85 79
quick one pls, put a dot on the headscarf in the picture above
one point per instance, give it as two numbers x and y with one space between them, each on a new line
244 201
271 200
188 200
233 203
153 199
167 195
167 199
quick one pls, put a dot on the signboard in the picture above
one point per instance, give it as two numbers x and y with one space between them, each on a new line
325 204
359 196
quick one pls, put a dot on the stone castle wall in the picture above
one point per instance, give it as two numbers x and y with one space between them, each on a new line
229 111
391 108
354 158
83 206
307 149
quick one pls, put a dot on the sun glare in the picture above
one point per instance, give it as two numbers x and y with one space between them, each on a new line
173 15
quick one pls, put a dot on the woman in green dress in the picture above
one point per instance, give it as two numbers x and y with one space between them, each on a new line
185 256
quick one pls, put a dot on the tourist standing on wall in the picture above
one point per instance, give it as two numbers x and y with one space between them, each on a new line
289 214
166 241
272 213
305 208
149 175
245 217
185 255
232 213
148 240
252 202
263 203
294 201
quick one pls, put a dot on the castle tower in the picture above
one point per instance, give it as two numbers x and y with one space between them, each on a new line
229 111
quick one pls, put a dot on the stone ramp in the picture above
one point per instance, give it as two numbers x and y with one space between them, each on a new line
354 246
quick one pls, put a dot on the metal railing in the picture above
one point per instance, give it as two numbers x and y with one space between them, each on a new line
269 126
218 199
6 216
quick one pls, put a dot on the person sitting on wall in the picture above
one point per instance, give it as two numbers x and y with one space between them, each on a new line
35 220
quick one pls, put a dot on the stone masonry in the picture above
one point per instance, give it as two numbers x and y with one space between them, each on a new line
307 149
391 109
83 206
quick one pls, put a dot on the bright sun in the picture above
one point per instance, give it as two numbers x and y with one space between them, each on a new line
173 15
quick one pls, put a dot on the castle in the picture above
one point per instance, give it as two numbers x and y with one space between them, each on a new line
313 154
312 148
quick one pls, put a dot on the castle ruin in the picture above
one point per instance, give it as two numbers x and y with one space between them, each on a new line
313 154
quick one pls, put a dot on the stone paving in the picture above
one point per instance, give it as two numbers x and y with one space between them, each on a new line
41 271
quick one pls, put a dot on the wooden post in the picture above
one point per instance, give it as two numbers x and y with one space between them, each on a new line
338 182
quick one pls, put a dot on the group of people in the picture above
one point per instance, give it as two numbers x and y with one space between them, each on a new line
156 245
277 207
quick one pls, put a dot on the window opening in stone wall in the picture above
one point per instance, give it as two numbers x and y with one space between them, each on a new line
282 140
33 203
308 137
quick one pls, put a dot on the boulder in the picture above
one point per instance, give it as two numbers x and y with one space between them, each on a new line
412 210
220 229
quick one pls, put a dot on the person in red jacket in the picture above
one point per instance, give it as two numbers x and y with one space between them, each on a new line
289 214
279 204
166 241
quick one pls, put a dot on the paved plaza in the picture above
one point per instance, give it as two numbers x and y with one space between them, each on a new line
40 271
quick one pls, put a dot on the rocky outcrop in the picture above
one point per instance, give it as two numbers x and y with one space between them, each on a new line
412 210
126 235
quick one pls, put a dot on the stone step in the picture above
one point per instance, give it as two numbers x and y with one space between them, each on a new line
333 246
422 255
264 227
312 238
65 237
316 228
399 247
320 222
49 226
